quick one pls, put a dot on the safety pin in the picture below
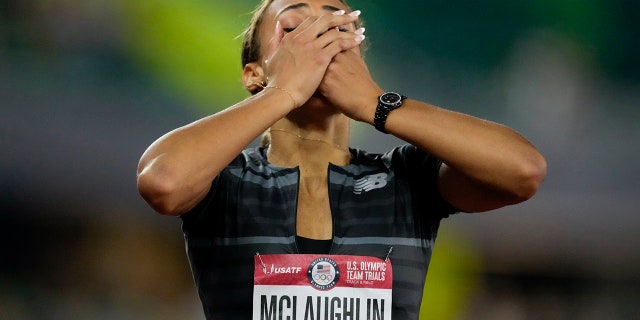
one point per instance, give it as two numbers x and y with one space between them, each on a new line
264 266
388 254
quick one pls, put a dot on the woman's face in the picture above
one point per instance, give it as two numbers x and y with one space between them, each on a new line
291 13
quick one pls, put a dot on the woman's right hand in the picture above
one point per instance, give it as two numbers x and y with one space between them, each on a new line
297 60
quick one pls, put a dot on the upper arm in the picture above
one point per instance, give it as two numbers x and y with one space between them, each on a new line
421 171
468 195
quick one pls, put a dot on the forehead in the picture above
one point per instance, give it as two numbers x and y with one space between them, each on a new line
279 7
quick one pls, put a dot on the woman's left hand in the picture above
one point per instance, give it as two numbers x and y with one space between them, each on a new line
348 85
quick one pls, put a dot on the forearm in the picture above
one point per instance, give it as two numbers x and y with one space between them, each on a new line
176 171
488 153
487 165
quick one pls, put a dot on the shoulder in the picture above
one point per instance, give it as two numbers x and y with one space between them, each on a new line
251 165
406 162
413 170
249 157
253 158
404 156
396 153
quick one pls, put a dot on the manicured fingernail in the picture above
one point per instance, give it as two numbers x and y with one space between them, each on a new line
355 13
339 13
359 31
359 38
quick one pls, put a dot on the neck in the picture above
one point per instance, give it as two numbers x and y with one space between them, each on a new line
311 145
306 137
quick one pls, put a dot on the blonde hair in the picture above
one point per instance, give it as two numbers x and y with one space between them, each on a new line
250 40
265 140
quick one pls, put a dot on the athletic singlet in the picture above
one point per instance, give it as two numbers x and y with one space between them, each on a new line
306 245
377 202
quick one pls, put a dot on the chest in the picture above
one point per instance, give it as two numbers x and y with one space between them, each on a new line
313 211
338 206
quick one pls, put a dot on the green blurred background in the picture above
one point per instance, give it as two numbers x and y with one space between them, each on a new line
86 86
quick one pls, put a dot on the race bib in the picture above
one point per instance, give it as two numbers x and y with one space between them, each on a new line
321 287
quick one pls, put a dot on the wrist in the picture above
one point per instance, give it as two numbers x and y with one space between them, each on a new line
283 96
367 107
293 100
387 102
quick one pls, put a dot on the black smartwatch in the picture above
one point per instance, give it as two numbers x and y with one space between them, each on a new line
387 102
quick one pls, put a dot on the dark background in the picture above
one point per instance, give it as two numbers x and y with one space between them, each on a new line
86 86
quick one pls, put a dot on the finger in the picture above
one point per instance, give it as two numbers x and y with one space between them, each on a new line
341 21
334 35
341 45
350 26
357 49
276 39
322 24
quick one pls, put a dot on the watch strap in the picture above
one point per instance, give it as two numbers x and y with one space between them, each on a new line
381 114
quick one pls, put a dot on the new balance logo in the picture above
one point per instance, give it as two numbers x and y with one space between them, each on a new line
368 183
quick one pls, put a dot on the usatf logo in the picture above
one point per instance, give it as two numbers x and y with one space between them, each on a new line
371 182
323 273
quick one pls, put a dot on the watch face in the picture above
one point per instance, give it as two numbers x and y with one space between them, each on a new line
391 98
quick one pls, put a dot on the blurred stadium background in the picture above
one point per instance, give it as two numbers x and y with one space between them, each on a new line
87 85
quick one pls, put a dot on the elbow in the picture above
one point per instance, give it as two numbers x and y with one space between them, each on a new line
531 175
158 191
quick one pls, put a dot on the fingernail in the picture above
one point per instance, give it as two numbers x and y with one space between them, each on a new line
359 31
359 38
355 13
339 13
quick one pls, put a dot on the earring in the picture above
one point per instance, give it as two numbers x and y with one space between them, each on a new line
262 84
